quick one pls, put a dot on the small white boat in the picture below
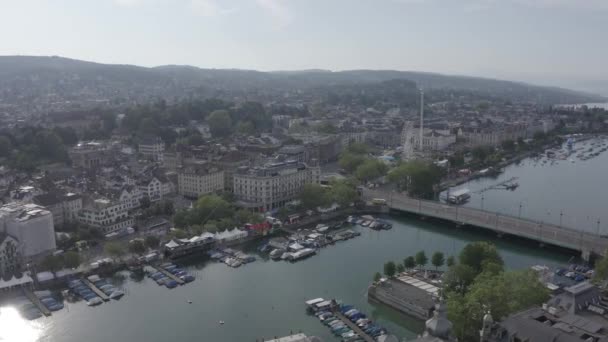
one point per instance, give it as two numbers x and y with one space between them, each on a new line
94 301
116 294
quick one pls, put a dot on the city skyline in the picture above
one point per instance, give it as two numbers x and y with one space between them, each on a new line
548 42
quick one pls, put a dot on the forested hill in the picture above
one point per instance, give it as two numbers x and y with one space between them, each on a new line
29 78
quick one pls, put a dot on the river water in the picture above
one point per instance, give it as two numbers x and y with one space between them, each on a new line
570 192
265 298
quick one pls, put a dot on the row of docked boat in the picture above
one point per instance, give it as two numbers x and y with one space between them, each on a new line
48 300
230 257
161 278
369 222
84 291
336 317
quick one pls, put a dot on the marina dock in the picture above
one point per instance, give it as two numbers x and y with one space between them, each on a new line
30 295
353 326
97 291
169 274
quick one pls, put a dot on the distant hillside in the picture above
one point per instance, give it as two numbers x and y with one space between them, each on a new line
26 77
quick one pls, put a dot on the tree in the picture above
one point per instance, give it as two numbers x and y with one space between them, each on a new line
601 270
343 193
114 249
400 268
503 293
245 128
145 202
377 277
421 259
508 145
370 169
220 123
409 262
358 148
313 196
350 161
478 254
210 207
151 241
389 269
450 261
417 177
437 260
137 247
51 263
71 259
6 146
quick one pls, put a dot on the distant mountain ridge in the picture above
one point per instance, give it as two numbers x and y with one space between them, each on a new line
69 75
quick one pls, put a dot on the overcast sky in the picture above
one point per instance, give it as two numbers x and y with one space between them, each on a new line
547 41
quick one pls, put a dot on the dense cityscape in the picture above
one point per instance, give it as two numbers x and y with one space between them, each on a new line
147 203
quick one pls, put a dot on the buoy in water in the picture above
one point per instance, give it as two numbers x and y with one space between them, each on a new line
221 322
189 302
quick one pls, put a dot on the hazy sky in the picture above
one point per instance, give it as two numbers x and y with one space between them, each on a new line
516 39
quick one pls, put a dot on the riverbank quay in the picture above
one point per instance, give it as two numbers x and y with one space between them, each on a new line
36 301
494 170
409 293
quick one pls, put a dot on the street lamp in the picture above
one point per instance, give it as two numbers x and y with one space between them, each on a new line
598 227
482 201
561 214
519 214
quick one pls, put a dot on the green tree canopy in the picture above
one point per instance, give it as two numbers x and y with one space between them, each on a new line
152 241
114 249
343 192
437 259
409 262
450 261
51 263
478 254
417 177
220 123
400 268
389 269
377 277
313 196
370 169
503 294
137 247
350 161
71 259
421 259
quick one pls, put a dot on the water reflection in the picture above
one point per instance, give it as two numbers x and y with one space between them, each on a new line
14 328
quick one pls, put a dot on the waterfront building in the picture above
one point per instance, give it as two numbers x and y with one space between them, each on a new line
432 139
63 206
201 179
152 147
31 226
107 215
181 247
273 185
438 328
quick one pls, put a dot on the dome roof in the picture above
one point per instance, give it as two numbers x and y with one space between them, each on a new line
439 325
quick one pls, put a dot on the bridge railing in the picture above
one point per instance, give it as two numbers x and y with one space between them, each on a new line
504 223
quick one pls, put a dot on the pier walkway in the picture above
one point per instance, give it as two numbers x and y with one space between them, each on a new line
96 290
36 301
545 233
353 326
169 274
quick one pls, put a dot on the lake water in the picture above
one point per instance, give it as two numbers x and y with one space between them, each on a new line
265 298
572 192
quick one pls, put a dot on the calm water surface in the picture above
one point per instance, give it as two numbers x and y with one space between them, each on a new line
265 298
576 189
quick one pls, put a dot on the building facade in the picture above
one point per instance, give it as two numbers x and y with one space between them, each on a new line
152 147
272 186
64 207
31 225
194 181
108 216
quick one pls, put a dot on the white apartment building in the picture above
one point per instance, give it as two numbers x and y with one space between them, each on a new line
274 185
106 215
194 181
31 226
152 148
130 197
